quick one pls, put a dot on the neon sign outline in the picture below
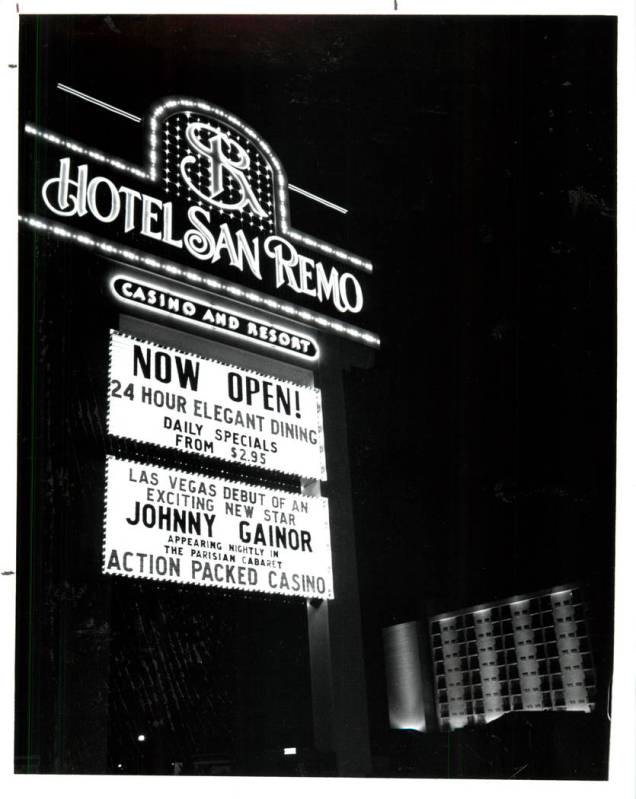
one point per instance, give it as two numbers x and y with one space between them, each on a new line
224 309
212 283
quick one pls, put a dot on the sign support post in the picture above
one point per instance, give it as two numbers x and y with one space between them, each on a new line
335 631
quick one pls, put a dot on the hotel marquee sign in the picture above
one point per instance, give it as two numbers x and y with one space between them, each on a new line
169 525
210 207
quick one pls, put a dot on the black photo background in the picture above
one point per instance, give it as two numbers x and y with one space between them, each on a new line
476 157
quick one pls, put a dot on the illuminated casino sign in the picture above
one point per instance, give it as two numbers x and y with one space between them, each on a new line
168 525
209 207
141 294
166 397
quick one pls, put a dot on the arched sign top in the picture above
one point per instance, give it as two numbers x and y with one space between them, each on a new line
230 155
201 153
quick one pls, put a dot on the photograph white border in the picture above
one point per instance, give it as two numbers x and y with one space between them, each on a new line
622 781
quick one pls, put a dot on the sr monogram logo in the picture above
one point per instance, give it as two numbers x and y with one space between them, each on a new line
225 163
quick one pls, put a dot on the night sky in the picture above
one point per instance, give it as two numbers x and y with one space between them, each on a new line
476 157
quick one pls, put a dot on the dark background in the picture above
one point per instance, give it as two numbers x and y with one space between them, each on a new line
476 157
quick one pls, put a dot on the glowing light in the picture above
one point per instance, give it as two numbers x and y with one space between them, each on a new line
136 534
100 103
213 283
141 737
277 347
184 102
318 199
404 675
89 153
280 212
289 750
153 173
142 418
569 681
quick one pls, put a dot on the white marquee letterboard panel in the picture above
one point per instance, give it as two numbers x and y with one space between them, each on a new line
169 525
163 396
